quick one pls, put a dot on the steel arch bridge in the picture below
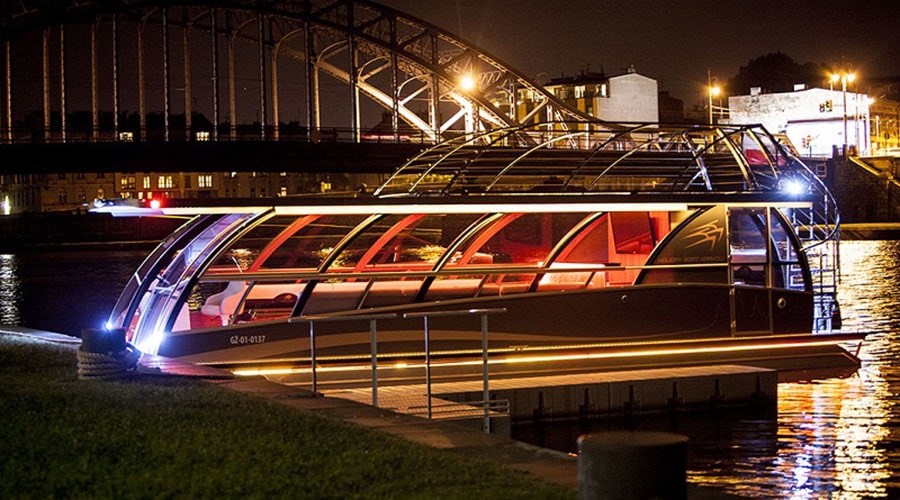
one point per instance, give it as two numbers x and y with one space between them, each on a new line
431 84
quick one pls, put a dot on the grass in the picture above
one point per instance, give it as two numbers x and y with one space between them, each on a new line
165 437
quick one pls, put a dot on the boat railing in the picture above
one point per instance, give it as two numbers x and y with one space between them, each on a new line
489 407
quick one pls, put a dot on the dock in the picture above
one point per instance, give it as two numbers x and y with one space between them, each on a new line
584 395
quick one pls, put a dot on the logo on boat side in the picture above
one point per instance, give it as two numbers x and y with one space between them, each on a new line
711 233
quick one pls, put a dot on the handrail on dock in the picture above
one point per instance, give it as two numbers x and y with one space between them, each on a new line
425 316
484 352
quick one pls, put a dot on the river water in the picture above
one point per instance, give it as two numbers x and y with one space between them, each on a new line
834 438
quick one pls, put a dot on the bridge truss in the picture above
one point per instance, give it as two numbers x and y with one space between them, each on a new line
431 84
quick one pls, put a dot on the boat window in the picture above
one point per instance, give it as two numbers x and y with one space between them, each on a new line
514 240
165 292
747 238
590 246
787 269
632 232
518 239
749 260
123 314
415 242
243 252
412 243
587 249
359 248
308 241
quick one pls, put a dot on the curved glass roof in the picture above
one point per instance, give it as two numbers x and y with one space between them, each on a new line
564 158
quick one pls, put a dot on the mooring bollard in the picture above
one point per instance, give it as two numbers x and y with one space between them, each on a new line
632 465
105 354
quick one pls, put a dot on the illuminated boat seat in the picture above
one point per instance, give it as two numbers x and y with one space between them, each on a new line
447 289
213 306
224 303
330 297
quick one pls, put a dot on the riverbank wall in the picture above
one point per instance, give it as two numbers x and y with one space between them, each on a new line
66 231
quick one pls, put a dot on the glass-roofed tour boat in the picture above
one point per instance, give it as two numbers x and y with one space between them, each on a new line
712 243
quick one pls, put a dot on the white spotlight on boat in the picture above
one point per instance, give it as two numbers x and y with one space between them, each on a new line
794 186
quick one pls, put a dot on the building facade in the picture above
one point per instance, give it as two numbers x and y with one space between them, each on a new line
817 121
626 98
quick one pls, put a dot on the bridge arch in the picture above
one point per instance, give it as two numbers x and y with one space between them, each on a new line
410 69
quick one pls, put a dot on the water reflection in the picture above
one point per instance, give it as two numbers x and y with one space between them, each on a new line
835 438
10 290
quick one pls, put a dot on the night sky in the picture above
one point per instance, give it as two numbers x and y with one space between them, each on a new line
673 41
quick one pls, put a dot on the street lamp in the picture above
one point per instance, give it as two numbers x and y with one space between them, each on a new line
844 77
714 91
467 83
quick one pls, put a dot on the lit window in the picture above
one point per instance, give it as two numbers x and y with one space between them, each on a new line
205 181
202 136
146 182
579 91
283 191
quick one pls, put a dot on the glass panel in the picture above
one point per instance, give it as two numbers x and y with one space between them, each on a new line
747 237
360 249
212 304
160 257
164 292
632 232
515 240
414 243
241 255
309 243
392 292
267 301
589 248
787 271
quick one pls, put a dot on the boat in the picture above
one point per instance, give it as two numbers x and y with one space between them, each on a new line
577 238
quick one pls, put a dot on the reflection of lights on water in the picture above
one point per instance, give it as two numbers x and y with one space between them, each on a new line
833 436
835 426
10 290
827 441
